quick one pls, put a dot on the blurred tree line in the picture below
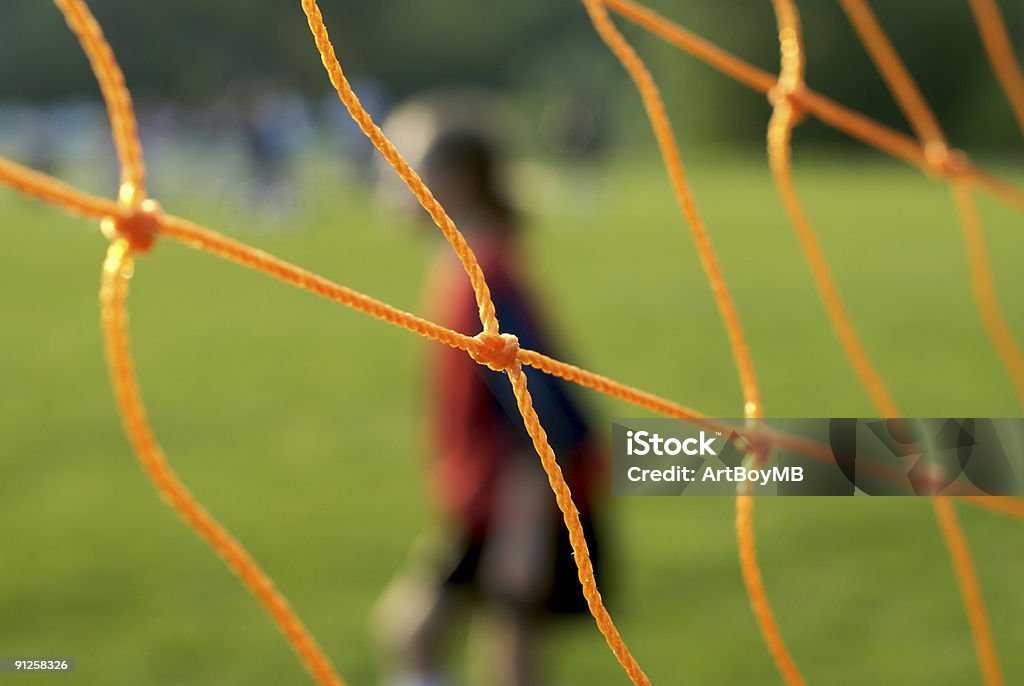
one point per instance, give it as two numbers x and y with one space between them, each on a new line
188 51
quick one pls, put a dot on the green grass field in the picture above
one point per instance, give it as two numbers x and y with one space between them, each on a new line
298 423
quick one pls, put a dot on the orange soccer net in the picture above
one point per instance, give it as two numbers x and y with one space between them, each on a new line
134 221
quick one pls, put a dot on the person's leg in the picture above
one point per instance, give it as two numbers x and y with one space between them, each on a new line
516 573
411 625
504 647
517 558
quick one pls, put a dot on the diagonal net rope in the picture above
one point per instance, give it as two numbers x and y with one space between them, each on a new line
133 222
994 36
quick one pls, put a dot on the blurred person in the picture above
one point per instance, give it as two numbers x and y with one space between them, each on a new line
343 136
503 560
275 127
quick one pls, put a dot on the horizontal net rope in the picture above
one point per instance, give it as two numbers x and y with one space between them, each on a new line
828 111
55 192
31 182
218 245
996 40
1011 507
135 220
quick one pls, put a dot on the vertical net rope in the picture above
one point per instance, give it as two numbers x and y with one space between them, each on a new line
914 106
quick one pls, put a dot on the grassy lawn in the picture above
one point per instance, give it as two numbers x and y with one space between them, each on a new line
297 423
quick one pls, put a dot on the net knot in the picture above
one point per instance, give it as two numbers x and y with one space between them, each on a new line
761 441
137 223
756 444
943 160
498 351
793 97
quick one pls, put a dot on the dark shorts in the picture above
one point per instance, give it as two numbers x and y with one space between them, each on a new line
563 594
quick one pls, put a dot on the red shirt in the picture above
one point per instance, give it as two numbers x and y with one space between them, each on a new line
474 424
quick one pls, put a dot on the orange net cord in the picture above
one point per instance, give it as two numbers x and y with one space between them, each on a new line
226 248
888 62
55 192
117 270
724 61
131 222
571 518
666 140
221 246
970 590
496 351
852 123
780 127
654 107
984 288
1011 507
921 118
124 127
75 201
1004 63
754 584
482 350
134 221
401 167
218 245
790 80
914 106
126 222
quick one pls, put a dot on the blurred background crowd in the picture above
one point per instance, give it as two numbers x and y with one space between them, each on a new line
239 85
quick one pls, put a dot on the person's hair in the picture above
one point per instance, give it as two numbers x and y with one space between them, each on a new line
470 159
